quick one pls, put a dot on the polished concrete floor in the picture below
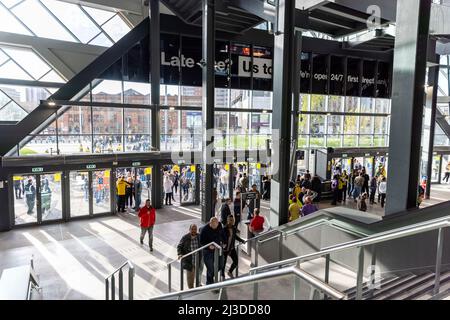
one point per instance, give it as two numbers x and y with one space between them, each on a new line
439 193
73 259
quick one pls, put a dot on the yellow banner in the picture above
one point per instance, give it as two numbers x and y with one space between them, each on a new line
57 177
258 166
227 167
107 174
17 178
193 168
148 171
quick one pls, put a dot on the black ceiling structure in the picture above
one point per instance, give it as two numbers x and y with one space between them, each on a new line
327 17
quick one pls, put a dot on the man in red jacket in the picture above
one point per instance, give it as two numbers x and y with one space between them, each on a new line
147 215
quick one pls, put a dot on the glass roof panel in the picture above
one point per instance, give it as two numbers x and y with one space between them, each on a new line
10 70
100 16
40 21
116 28
74 19
8 23
28 60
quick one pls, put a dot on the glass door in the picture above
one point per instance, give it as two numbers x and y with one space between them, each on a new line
187 184
37 198
255 175
80 194
101 191
25 206
51 196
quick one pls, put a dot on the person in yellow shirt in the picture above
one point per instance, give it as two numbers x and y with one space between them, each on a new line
121 194
294 210
297 190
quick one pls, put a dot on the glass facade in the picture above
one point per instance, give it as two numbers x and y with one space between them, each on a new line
335 121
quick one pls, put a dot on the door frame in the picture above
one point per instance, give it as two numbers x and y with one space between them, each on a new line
39 220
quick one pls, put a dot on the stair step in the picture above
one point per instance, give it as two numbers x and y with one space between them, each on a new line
393 283
383 282
426 288
398 290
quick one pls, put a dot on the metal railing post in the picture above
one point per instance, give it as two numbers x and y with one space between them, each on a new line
169 269
237 255
296 289
360 274
113 287
130 283
440 246
120 284
107 289
373 274
216 265
327 268
280 247
181 278
256 252
197 269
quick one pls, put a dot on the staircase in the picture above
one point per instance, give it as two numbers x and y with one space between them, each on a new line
406 287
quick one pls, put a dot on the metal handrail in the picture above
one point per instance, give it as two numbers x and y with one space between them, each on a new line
197 250
438 224
310 279
217 248
119 270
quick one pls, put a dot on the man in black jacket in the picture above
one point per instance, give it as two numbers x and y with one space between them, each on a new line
189 243
211 233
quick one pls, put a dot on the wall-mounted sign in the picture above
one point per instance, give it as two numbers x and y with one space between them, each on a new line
36 170
91 166
245 67
136 164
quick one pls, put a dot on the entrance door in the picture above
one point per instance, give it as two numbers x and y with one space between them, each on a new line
187 185
101 190
25 206
80 194
37 198
144 175
51 196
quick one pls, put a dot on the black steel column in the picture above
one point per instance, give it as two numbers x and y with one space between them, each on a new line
410 62
208 40
155 66
5 214
296 104
432 92
231 181
283 88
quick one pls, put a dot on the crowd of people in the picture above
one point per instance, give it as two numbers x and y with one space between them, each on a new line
360 187
304 196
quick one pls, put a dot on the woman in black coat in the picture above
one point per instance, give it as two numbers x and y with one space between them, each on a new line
229 234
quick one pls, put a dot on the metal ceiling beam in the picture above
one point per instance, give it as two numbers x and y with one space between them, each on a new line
132 6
